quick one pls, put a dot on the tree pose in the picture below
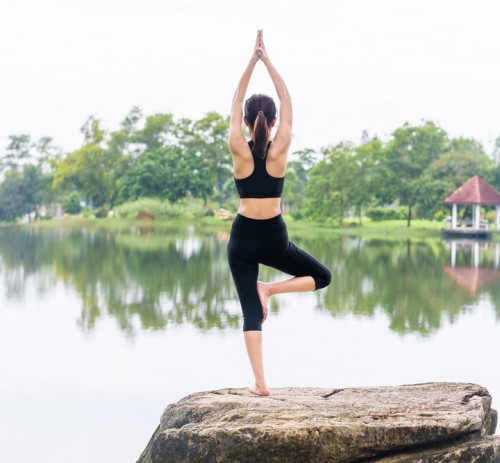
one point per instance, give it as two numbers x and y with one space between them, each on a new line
259 233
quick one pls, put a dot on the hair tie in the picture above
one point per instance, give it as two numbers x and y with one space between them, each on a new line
260 112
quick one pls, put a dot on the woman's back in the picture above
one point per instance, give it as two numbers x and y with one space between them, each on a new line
260 118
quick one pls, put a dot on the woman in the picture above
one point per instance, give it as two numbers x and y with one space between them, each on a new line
259 234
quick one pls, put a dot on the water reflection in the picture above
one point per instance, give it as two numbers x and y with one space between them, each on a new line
477 266
148 279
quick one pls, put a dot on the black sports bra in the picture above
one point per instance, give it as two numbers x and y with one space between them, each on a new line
259 184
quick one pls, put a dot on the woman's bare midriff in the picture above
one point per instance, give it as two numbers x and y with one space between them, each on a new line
260 208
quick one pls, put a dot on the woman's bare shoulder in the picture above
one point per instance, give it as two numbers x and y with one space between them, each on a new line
278 150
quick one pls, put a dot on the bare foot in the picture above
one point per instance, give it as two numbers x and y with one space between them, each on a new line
263 391
263 291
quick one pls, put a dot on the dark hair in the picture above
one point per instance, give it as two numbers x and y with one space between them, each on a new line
260 112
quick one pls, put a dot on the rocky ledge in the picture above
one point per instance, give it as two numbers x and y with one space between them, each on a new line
424 423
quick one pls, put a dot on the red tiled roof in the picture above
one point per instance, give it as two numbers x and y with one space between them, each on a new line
475 191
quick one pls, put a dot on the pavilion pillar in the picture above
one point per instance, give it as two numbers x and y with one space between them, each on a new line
475 254
497 224
454 215
477 216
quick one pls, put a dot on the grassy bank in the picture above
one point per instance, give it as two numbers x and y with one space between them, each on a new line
384 229
148 213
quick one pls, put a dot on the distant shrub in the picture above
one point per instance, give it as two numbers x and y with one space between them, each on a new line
154 208
102 212
71 203
384 213
489 215
440 215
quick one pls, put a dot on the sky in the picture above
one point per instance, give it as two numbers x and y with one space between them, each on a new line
350 65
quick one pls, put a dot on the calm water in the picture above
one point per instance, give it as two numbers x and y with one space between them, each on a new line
99 331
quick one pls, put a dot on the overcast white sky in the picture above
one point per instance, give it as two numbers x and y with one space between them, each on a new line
349 64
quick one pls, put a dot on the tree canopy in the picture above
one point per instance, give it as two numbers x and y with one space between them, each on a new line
176 159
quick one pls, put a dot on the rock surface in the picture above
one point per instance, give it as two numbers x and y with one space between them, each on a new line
481 450
389 424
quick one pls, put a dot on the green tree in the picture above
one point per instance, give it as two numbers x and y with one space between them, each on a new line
168 173
159 130
408 155
90 169
452 169
71 203
18 152
19 192
297 176
329 190
363 184
207 139
456 167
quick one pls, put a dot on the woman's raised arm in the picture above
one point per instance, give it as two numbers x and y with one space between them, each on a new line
283 136
237 142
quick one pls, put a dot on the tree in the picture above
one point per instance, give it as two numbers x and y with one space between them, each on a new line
18 152
90 169
19 192
71 203
124 142
451 170
168 173
329 190
456 167
207 139
496 151
158 131
408 155
367 157
297 176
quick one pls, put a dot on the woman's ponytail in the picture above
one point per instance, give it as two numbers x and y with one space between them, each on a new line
260 111
260 134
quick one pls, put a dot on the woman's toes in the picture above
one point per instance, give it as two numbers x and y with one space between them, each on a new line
262 391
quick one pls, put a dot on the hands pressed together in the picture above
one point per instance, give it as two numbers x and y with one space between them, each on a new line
259 52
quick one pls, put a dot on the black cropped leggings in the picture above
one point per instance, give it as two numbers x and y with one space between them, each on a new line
253 242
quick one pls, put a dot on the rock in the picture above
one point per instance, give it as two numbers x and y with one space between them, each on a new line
313 425
481 450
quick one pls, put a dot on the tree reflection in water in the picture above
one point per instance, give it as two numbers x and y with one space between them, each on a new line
149 279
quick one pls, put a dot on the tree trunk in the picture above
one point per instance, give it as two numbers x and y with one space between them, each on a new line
409 216
341 211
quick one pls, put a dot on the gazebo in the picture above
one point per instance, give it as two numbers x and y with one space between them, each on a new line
475 192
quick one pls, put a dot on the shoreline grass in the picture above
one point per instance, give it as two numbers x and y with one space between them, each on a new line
388 229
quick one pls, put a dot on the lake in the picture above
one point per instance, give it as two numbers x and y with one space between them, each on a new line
100 330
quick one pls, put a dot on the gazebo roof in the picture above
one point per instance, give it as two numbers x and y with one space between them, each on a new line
475 191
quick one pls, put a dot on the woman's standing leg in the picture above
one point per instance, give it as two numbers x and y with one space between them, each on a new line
245 278
253 343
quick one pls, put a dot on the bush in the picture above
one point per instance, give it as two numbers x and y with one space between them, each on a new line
440 215
102 212
489 215
384 213
155 208
71 203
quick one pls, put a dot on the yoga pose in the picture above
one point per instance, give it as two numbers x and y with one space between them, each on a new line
259 234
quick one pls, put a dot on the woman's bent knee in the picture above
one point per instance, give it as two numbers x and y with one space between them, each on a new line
323 280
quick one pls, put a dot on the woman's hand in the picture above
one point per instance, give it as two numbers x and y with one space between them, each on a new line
261 48
259 51
256 52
